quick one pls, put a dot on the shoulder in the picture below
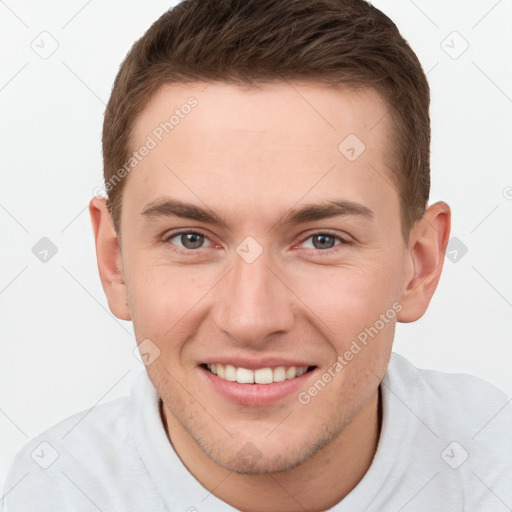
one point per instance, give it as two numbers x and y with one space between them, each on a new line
455 402
408 373
73 462
82 430
448 394
76 436
77 433
462 426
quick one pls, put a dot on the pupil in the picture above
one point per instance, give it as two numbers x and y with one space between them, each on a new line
191 240
323 241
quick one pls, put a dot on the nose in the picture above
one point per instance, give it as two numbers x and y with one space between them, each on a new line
253 303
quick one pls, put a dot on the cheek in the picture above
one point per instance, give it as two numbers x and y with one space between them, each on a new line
348 298
165 302
169 302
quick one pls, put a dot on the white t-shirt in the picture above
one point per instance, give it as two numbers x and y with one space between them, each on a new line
445 445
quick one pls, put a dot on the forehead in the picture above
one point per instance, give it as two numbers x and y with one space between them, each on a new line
296 109
270 144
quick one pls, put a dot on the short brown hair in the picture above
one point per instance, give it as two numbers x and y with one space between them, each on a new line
248 41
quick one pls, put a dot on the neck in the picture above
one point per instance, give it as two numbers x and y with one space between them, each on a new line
315 485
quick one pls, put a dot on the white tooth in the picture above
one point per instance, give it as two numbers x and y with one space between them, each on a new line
221 371
301 371
279 374
230 373
263 376
291 372
244 376
213 369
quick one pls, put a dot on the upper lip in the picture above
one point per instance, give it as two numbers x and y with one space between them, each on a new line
254 364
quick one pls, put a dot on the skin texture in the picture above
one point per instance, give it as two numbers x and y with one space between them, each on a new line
252 155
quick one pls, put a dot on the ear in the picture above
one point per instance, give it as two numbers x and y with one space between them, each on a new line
425 254
108 255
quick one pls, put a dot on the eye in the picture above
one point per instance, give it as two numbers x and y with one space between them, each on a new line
322 241
188 240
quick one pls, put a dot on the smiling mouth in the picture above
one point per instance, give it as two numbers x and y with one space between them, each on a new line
259 376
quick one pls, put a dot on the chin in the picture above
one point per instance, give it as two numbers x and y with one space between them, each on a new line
266 457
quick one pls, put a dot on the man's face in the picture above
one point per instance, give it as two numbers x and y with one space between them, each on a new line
266 289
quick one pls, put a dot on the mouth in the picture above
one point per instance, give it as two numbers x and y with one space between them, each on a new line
262 384
266 375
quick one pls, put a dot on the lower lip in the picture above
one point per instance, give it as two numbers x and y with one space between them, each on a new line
255 394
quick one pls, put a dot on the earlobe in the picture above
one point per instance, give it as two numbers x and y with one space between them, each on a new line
108 255
427 247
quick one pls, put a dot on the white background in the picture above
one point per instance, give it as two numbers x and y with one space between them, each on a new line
61 349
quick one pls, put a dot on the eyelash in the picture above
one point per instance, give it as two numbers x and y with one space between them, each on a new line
191 252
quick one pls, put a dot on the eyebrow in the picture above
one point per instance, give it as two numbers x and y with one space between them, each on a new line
313 212
168 207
